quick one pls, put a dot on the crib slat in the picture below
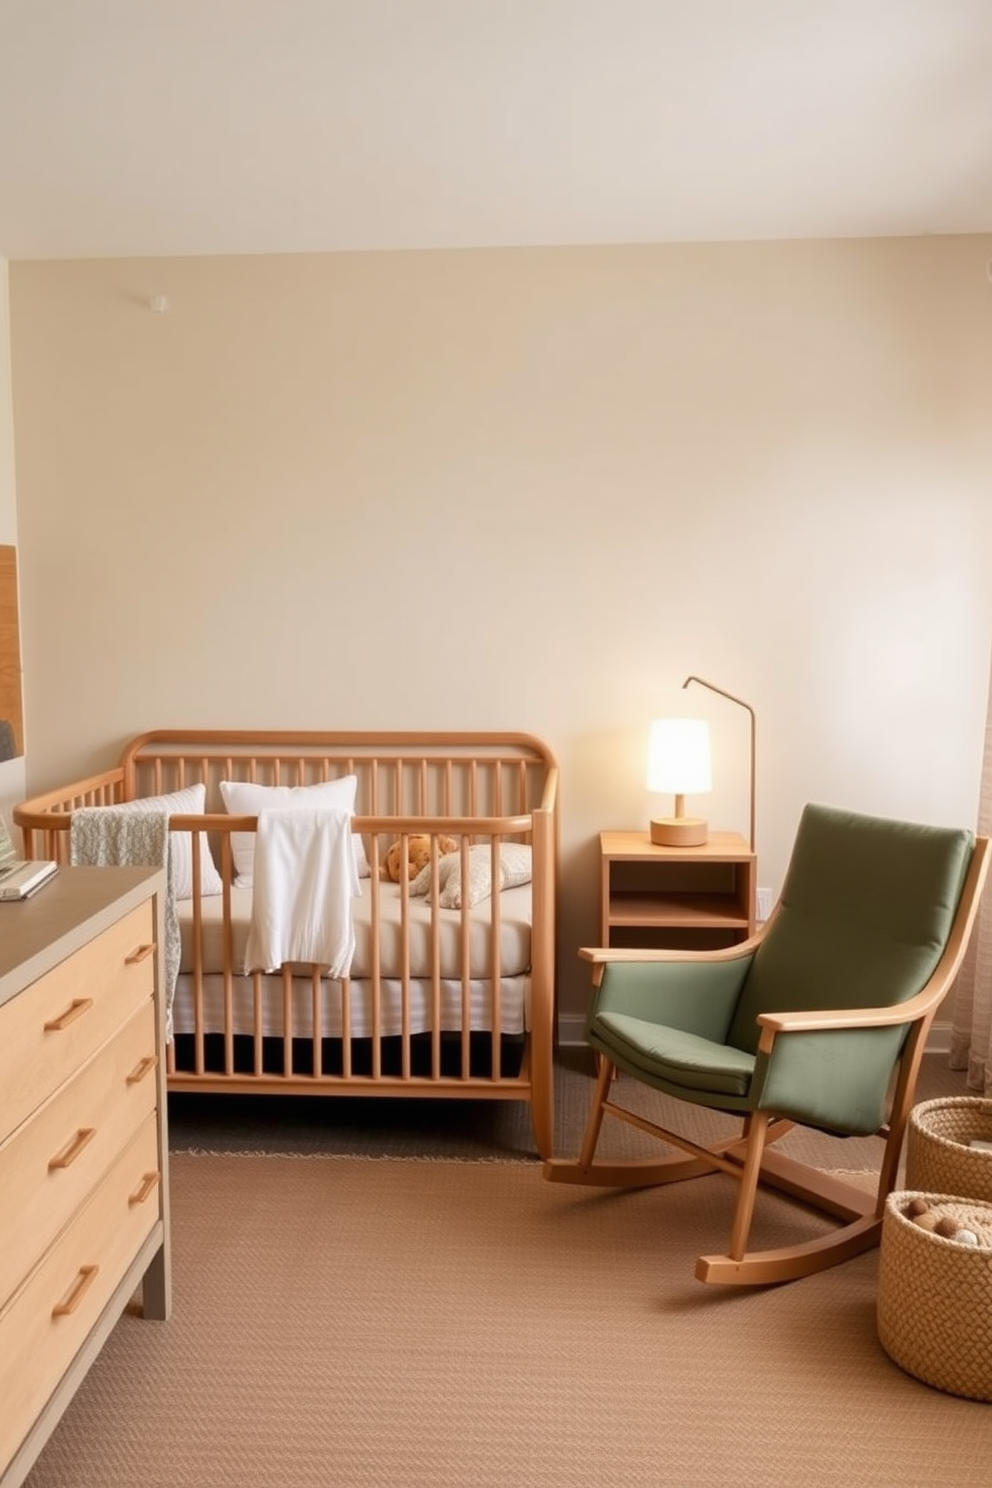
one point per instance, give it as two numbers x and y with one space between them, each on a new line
345 993
228 1022
496 1040
405 959
316 1024
376 977
198 1033
287 1021
464 947
257 1031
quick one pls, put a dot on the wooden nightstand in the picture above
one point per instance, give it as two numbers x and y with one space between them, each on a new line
686 898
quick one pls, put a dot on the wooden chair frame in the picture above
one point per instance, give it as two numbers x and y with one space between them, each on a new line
748 1157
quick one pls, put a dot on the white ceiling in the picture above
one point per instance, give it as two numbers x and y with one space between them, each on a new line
136 127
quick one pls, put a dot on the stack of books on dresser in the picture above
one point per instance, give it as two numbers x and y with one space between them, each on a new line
20 877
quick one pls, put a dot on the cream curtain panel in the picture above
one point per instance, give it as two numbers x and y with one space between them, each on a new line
971 1036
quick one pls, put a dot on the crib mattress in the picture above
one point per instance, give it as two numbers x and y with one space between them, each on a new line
276 1002
514 908
368 1003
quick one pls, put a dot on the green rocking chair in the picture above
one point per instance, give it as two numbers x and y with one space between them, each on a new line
818 1020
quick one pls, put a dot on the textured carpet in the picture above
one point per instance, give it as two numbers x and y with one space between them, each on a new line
477 1130
404 1324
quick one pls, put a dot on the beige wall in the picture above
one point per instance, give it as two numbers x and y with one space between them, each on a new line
12 772
525 489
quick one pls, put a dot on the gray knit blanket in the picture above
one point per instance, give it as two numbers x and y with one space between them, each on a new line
116 837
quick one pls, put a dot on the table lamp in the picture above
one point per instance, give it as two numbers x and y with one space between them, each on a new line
679 765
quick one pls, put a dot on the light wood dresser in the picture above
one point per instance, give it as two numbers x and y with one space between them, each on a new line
84 1211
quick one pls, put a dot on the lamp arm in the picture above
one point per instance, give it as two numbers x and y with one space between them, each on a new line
742 704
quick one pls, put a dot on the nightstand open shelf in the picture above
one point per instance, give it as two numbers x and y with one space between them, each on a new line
694 898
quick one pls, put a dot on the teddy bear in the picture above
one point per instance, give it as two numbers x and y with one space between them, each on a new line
418 853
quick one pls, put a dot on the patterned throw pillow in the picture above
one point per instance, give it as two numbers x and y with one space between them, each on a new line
188 802
514 869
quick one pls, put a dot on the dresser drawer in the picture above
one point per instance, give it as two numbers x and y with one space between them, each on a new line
62 1018
48 1319
53 1161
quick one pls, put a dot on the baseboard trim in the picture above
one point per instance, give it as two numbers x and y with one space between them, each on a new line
571 1034
571 1030
939 1039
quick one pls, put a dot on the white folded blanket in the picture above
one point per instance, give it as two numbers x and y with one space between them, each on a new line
303 883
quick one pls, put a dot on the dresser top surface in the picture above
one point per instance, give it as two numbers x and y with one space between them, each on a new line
74 906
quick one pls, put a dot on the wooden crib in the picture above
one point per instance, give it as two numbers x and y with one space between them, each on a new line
439 1001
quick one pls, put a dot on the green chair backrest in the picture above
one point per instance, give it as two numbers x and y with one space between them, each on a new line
864 914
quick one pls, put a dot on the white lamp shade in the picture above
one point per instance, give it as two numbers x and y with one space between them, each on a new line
679 756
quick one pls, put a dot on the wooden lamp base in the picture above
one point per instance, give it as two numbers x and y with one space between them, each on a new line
679 831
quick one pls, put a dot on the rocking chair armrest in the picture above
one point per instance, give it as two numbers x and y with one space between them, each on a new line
604 955
813 1021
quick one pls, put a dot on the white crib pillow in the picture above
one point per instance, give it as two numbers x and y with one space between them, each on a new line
245 798
191 801
514 869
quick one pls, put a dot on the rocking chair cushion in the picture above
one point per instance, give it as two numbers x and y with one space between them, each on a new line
865 912
668 1056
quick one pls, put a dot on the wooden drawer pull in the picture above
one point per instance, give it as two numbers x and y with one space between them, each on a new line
72 1150
143 1068
82 1284
77 1007
141 954
148 1186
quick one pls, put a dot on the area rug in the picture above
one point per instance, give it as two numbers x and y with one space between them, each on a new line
439 1324
482 1130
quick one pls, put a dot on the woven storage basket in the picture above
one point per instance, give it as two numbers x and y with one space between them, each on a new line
938 1157
934 1307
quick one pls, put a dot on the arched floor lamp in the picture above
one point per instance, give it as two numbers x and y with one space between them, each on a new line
742 704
